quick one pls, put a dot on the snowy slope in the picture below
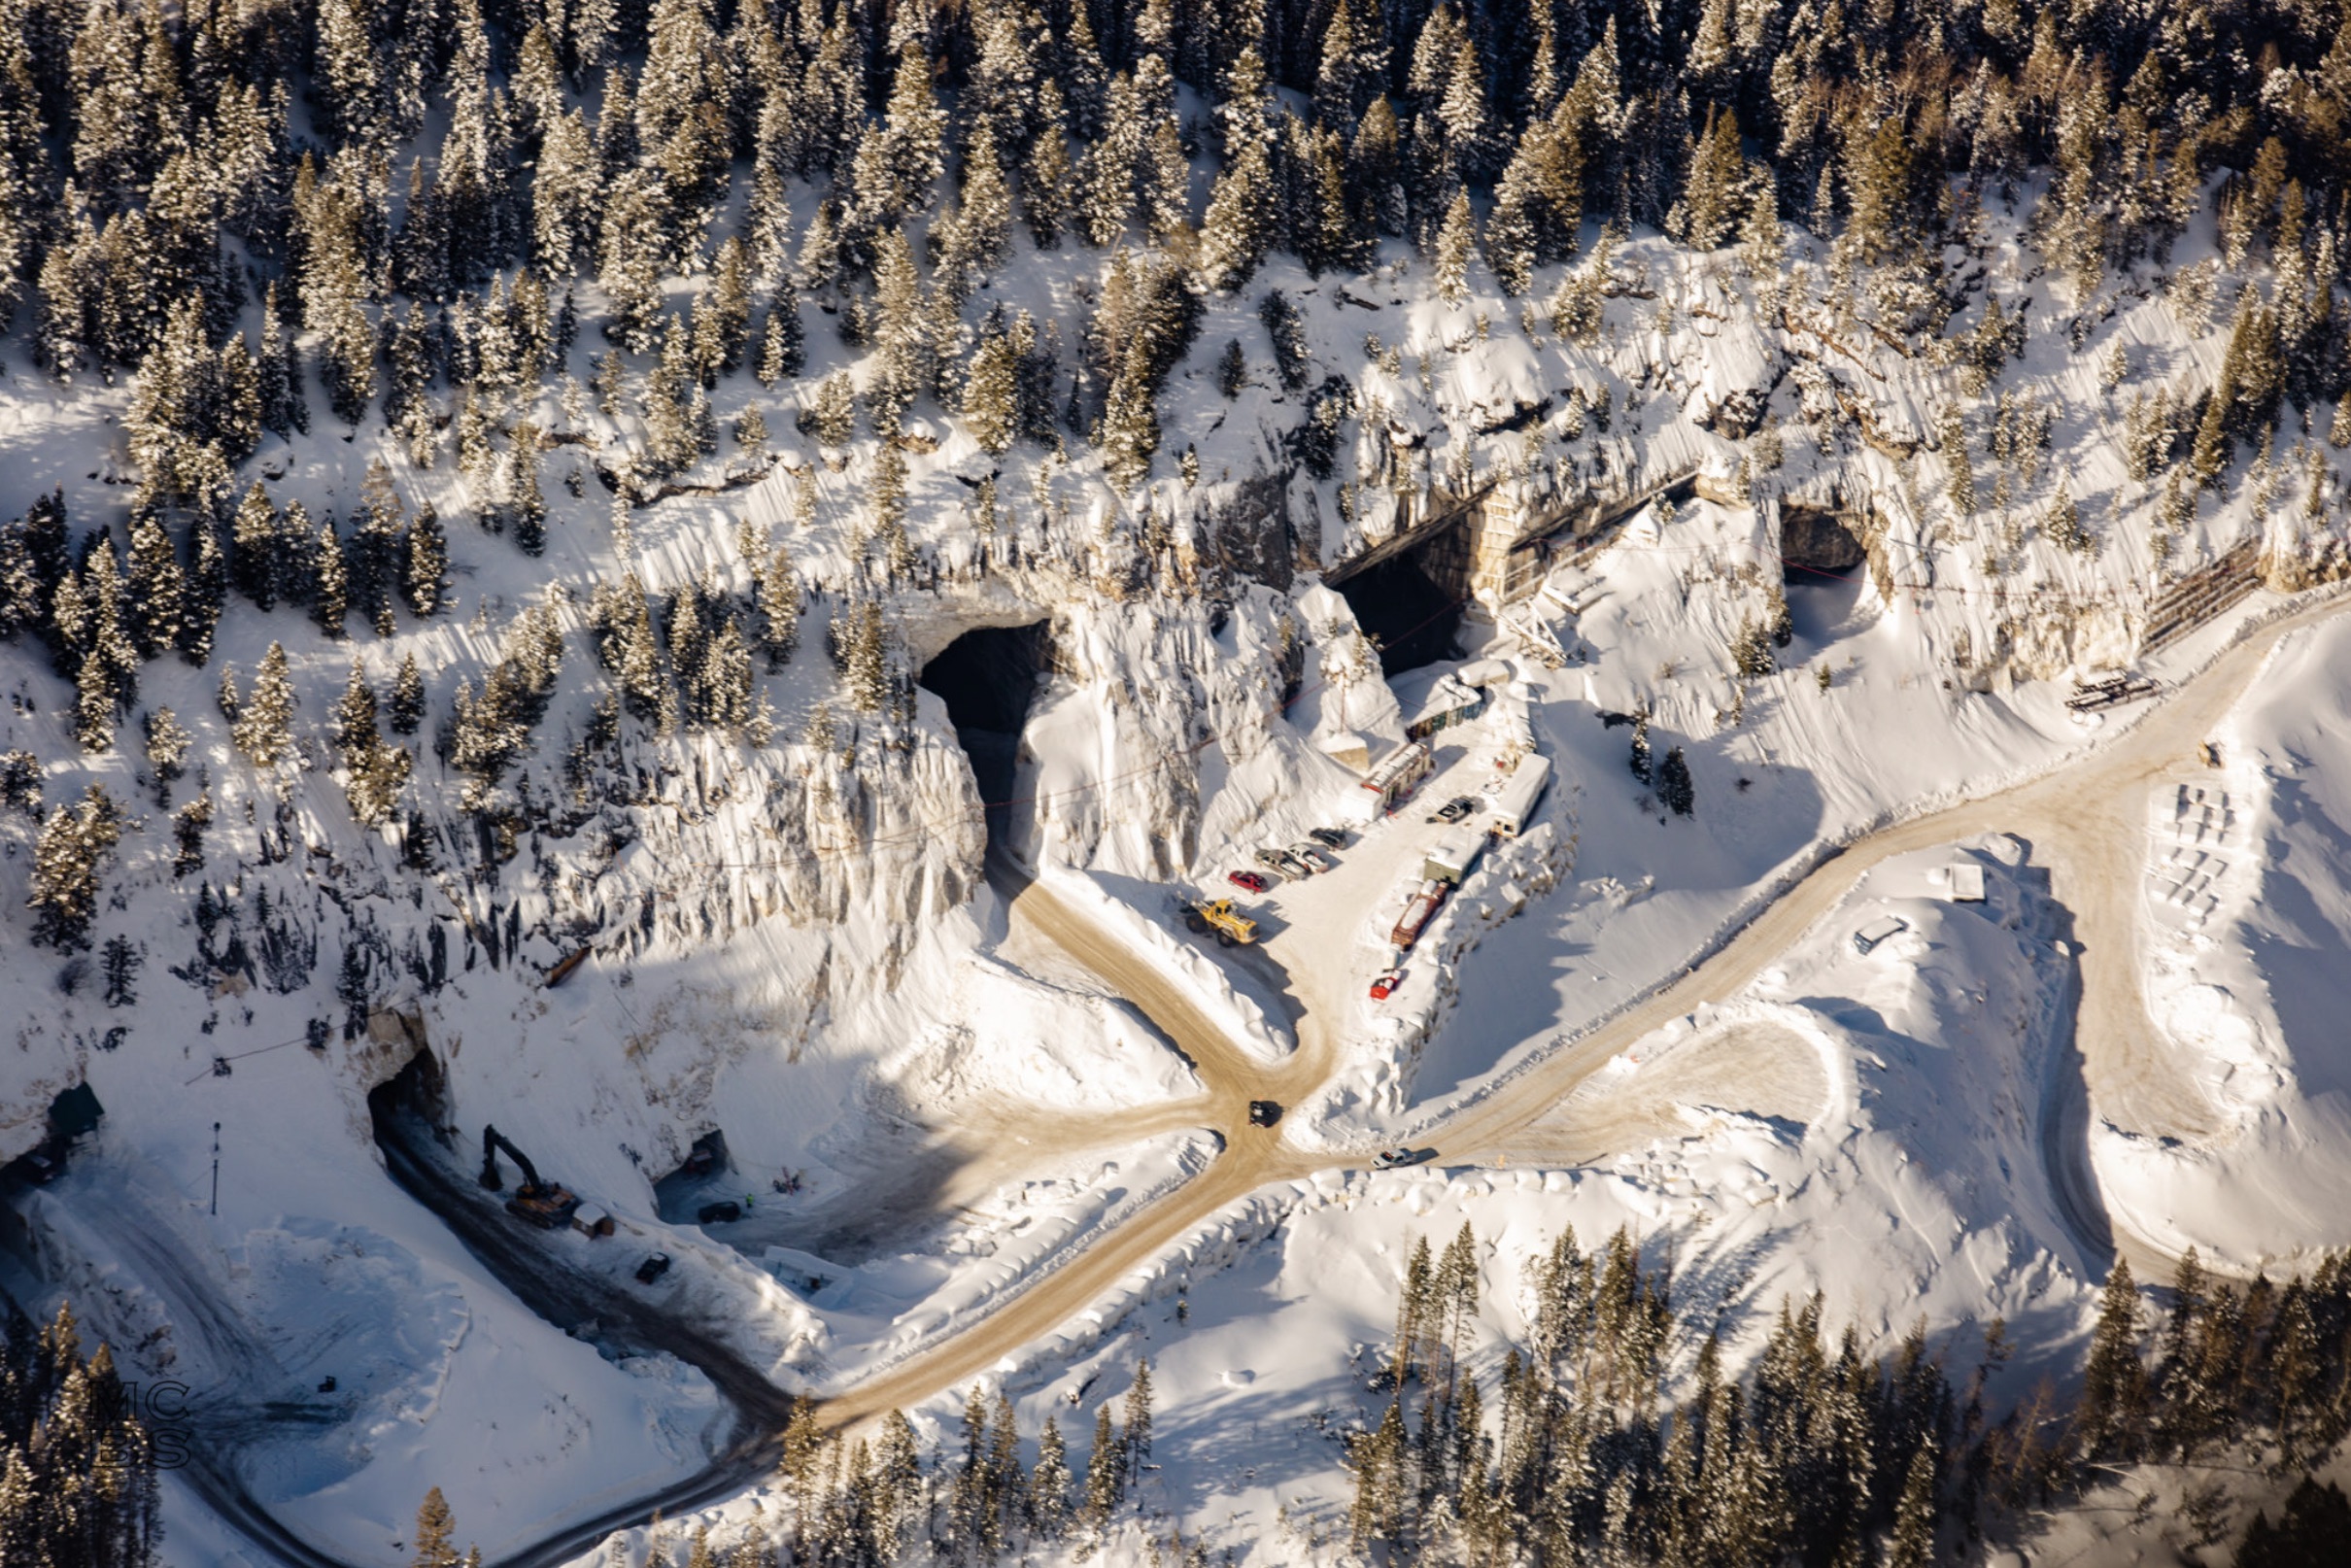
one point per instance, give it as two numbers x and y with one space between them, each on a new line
2248 925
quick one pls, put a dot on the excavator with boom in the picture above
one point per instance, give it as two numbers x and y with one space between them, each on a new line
548 1205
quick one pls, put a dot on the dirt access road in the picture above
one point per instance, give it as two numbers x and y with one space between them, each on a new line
2085 821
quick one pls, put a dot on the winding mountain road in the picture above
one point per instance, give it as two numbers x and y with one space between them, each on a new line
2083 821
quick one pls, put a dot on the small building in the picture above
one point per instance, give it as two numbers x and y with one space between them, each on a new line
1966 882
1520 794
1448 701
1396 776
1452 856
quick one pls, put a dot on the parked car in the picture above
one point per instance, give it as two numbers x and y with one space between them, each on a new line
1384 982
653 1268
1247 881
1328 837
1288 864
1455 809
1270 859
1264 1113
1388 1159
1315 859
723 1212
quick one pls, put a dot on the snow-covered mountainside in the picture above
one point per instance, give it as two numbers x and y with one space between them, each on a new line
954 662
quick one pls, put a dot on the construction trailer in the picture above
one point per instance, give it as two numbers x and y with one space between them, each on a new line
1396 776
1520 794
1452 854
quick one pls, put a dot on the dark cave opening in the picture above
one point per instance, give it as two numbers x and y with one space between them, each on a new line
1405 611
988 677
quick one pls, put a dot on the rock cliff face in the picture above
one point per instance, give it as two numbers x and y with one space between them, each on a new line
752 901
1815 538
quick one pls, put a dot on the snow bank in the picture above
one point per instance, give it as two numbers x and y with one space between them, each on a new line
2246 972
888 1309
1206 983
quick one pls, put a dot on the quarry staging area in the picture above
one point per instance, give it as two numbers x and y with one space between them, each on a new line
2083 820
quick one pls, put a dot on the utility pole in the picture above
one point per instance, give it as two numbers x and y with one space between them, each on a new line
216 1168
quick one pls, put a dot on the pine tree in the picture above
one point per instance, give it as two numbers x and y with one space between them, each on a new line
167 744
782 353
1047 177
407 707
156 589
1287 328
1049 1483
1913 1542
1130 420
866 667
207 594
188 825
2112 1417
433 1528
1750 651
1376 1458
262 727
991 392
424 576
832 418
1640 758
355 715
1240 225
526 506
1413 1314
1139 1417
65 869
330 586
1106 1475
984 222
1960 483
1454 243
1232 370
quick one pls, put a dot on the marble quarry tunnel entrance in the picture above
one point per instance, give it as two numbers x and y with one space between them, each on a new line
988 677
1406 606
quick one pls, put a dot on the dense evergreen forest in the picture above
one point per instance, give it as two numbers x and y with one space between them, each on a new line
278 216
270 215
78 1486
1612 1434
